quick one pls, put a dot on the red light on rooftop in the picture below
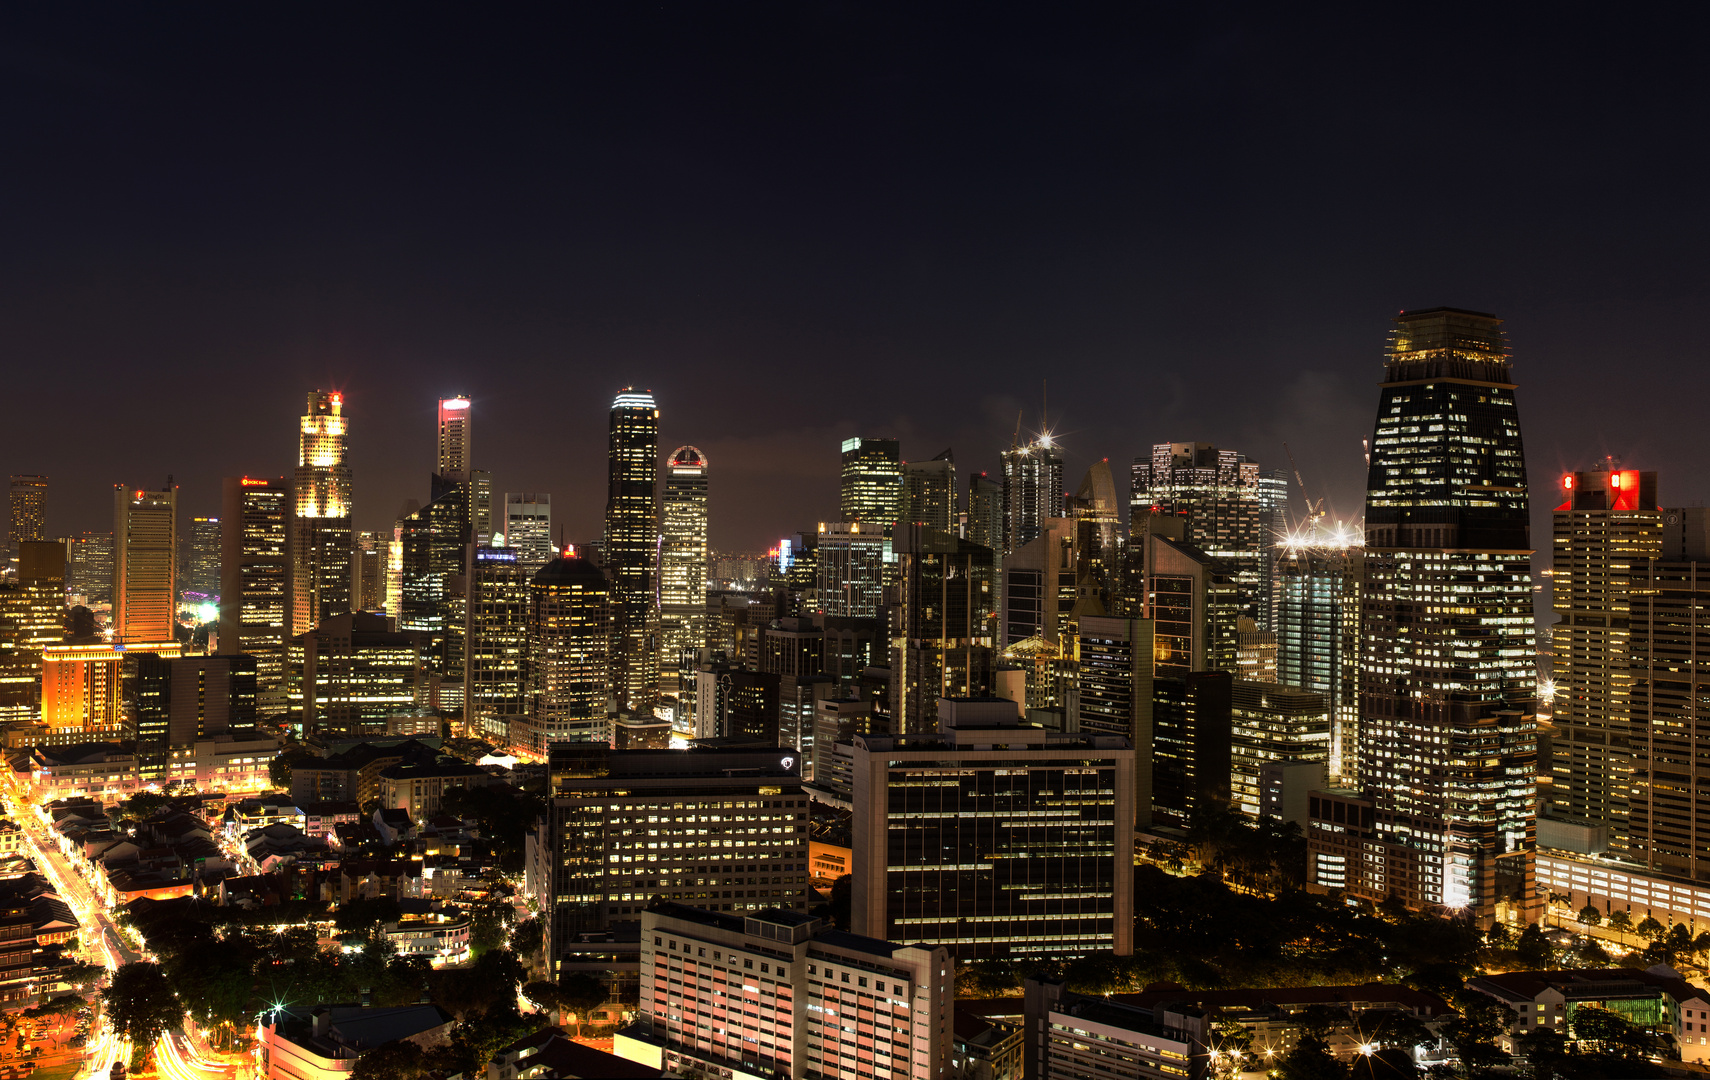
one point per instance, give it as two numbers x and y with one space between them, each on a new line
247 482
1615 481
1567 482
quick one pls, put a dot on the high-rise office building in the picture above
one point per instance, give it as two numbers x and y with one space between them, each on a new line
683 564
956 842
929 493
433 542
849 567
1195 601
728 830
32 618
321 541
569 642
1039 580
871 490
1315 613
495 679
632 548
1608 527
352 672
985 511
829 1005
27 513
528 528
201 578
1230 508
184 699
373 558
941 625
1272 723
255 580
1032 490
1192 725
1448 680
145 566
91 567
1114 680
455 458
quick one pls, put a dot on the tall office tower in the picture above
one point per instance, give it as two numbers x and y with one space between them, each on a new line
184 699
929 492
27 513
91 567
1608 527
82 692
1272 723
1192 724
1115 691
145 565
454 438
736 822
957 844
1195 601
32 618
1669 654
201 580
872 481
528 528
632 549
320 538
569 643
850 568
255 576
433 541
373 555
941 625
1039 585
1230 510
495 676
1315 611
1032 490
891 1018
793 649
985 511
1448 685
683 564
1098 529
351 673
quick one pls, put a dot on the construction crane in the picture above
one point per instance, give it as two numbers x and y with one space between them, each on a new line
1314 510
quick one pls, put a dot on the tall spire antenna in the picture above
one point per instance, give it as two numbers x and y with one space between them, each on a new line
1045 404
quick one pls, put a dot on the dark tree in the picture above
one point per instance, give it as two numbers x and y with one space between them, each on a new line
140 1003
397 1060
365 913
580 994
1474 1029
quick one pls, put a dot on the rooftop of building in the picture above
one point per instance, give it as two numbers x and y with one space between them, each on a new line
93 753
1362 996
1590 983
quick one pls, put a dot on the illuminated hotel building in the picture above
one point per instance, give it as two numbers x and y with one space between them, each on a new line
351 673
27 510
994 838
683 564
632 548
145 566
1230 510
871 490
1608 527
320 543
1315 613
255 576
929 492
82 690
528 528
495 679
1448 680
850 569
1032 491
782 994
569 642
719 829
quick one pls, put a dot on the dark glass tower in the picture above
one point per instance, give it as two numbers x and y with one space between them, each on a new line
1448 683
632 548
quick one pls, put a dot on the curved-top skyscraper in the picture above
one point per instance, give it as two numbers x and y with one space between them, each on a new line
632 548
1448 680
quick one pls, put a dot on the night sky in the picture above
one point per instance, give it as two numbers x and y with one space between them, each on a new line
802 222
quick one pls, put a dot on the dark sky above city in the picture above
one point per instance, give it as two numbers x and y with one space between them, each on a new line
800 222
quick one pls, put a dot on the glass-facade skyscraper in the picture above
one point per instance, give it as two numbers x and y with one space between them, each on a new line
321 538
1315 601
872 481
632 548
145 566
528 528
1032 491
255 574
1448 679
683 563
26 513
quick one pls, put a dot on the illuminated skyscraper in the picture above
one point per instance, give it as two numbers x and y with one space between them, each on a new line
1316 615
849 567
528 528
145 566
632 548
941 625
1230 509
255 576
985 511
373 557
872 481
683 564
1032 490
32 618
27 518
929 492
569 642
201 580
1608 528
320 538
1448 684
496 658
454 438
352 673
433 543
